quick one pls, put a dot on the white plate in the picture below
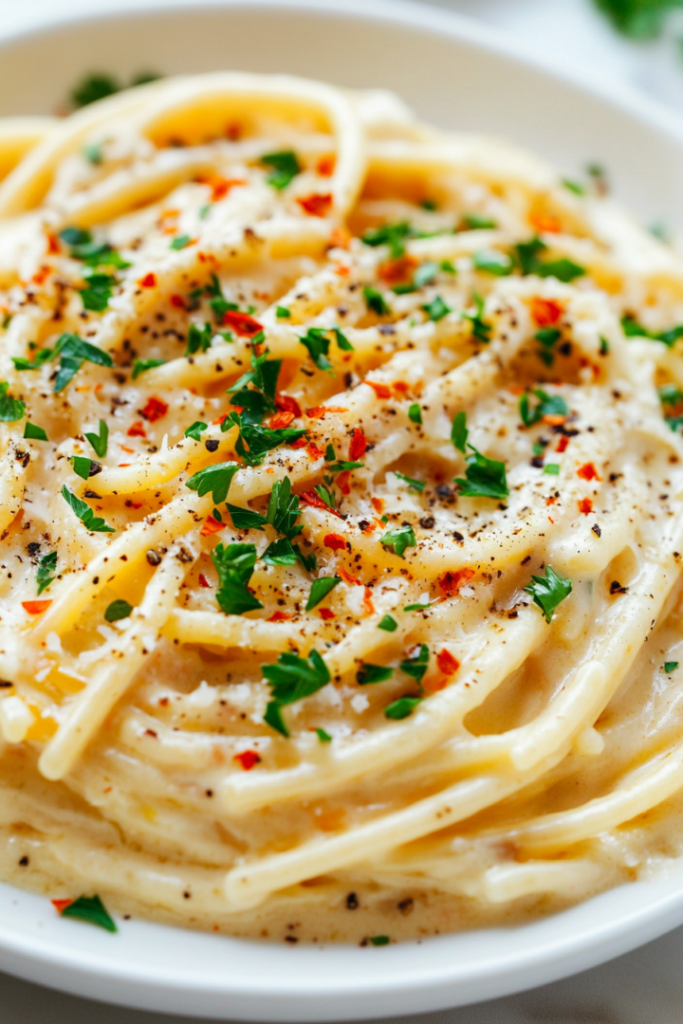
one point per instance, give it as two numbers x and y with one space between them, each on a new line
463 77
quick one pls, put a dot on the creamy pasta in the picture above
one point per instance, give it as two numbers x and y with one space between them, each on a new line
340 513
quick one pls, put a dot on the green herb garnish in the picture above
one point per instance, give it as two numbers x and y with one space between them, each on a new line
285 165
320 589
292 679
549 591
142 365
86 515
47 566
234 564
117 610
216 479
400 539
99 440
484 478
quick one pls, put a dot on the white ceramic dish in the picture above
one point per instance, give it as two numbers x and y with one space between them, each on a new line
460 76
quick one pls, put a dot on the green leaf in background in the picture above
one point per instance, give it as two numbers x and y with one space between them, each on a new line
639 19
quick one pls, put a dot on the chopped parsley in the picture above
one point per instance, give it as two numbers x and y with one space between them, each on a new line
320 589
436 309
393 235
499 264
42 355
142 365
375 301
323 736
292 679
94 87
11 409
216 479
373 674
549 591
640 19
83 247
282 313
459 431
83 467
548 405
285 167
415 485
92 910
417 665
47 566
480 329
32 432
196 430
632 329
234 564
317 342
574 186
478 222
400 539
98 290
669 666
198 339
379 940
180 242
100 440
552 468
86 515
401 708
117 610
255 441
73 352
484 478
388 623
528 254
415 413
93 153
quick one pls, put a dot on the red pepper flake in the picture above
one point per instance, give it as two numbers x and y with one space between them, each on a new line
136 429
381 390
300 442
551 500
451 582
516 389
555 420
288 404
312 499
344 481
316 205
397 271
35 607
588 472
325 165
585 506
154 409
221 418
318 411
358 445
378 505
368 606
562 444
41 275
61 905
280 419
52 244
546 312
340 238
248 759
177 301
148 281
401 387
447 663
279 617
210 526
327 614
203 582
370 527
551 521
313 451
134 504
220 186
348 578
242 323
547 222
335 541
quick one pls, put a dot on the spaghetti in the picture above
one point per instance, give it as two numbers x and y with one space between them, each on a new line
340 517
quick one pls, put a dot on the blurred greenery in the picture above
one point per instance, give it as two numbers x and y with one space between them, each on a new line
639 19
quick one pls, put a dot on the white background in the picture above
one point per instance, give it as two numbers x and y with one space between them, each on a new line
645 987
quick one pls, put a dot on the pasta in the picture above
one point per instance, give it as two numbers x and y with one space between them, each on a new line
341 519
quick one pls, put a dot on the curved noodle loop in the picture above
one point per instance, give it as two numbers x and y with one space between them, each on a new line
341 518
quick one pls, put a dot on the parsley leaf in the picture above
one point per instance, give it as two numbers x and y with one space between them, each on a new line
180 242
73 352
98 290
318 345
33 432
82 466
480 329
393 235
117 610
280 552
196 430
640 19
425 273
417 665
459 431
632 329
669 666
292 679
401 708
375 301
415 485
83 512
198 339
388 623
415 413
478 222
259 399
320 589
92 88
282 313
548 591
323 736
42 355
216 479
436 309
373 674
491 262
142 365
484 478
400 539
46 567
255 441
92 910
285 166
100 440
11 409
235 565
528 257
548 405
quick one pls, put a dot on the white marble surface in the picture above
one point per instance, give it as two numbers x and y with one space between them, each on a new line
645 987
